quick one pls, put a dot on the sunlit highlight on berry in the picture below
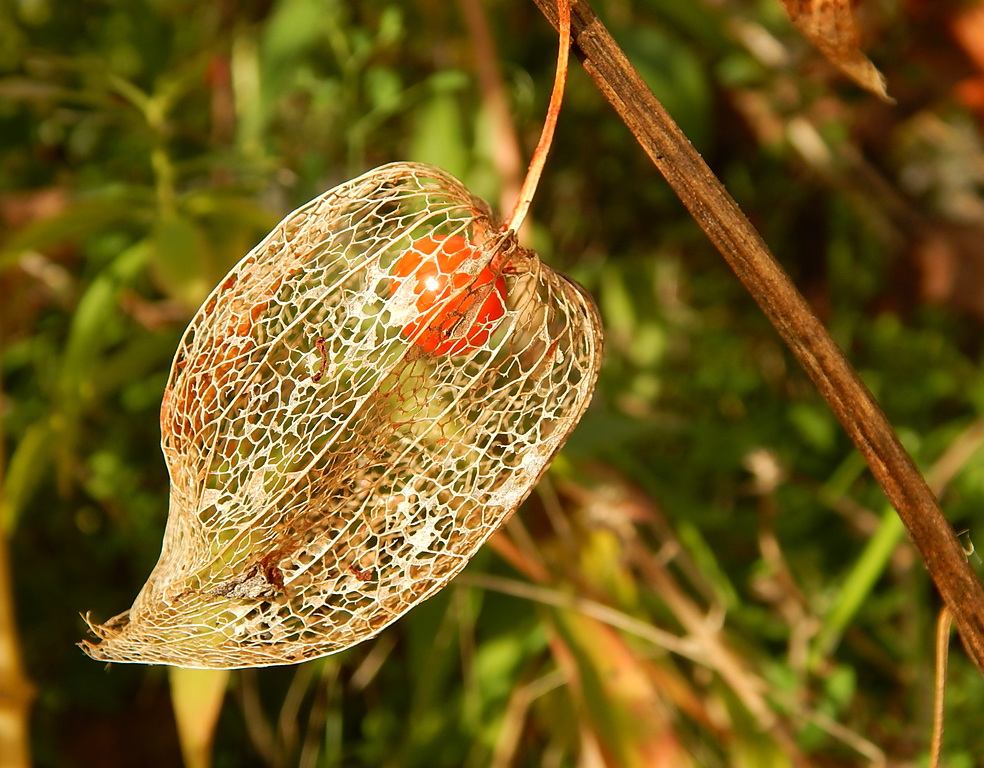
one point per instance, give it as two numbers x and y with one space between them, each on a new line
445 295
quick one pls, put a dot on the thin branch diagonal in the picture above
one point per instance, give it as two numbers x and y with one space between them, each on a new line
748 255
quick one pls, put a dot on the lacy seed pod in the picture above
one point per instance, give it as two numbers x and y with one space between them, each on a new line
344 424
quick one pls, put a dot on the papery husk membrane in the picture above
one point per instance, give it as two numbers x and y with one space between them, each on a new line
308 511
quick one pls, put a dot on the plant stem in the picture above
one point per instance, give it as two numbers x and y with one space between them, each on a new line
939 704
16 691
878 551
563 23
748 255
858 585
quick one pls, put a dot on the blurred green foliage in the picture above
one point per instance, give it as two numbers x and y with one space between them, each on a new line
146 146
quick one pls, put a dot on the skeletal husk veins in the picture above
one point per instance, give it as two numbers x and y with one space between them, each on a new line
329 467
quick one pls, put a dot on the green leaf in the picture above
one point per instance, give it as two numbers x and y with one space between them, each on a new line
98 305
390 26
707 563
676 76
859 583
87 339
815 424
439 136
24 473
230 226
295 26
617 306
384 88
448 81
181 260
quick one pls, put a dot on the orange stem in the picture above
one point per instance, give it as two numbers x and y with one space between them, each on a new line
546 136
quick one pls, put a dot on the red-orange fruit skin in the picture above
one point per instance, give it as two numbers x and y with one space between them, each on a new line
434 264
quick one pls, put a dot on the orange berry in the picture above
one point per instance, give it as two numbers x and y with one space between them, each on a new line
434 263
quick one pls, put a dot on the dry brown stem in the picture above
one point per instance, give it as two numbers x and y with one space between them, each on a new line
939 704
506 155
16 691
518 215
748 255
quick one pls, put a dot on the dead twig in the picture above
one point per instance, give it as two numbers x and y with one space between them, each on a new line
16 691
939 706
747 254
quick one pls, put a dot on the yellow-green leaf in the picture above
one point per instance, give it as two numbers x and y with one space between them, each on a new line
196 695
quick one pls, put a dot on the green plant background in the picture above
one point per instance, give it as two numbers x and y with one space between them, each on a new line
145 146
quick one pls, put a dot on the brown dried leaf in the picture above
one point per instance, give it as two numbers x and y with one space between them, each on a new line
830 26
630 714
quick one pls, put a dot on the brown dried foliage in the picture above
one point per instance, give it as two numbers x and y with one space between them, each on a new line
830 26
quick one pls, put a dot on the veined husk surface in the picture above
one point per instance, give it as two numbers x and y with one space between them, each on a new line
327 472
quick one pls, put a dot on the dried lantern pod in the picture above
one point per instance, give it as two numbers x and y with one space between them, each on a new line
361 403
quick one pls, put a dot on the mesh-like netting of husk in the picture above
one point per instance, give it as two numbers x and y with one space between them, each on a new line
328 472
